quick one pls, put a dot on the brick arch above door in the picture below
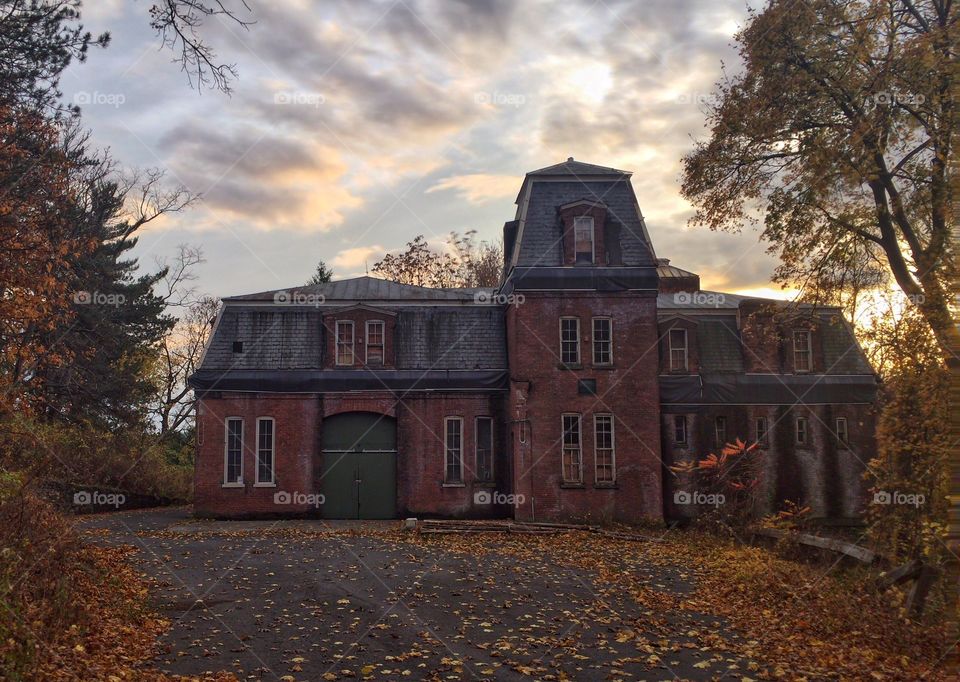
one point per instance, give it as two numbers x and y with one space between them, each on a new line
380 403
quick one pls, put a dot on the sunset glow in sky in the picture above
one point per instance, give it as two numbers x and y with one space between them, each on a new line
354 126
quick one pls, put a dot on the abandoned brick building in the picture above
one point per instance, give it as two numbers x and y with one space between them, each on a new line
565 393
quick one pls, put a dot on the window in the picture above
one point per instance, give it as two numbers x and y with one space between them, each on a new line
680 429
802 431
484 449
265 459
761 435
720 431
583 239
238 346
843 437
453 426
586 386
571 465
603 443
678 350
570 340
602 341
802 351
344 342
233 456
375 342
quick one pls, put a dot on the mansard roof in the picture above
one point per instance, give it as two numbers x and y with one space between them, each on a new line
575 168
364 289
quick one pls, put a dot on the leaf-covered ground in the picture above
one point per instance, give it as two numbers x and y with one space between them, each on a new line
307 601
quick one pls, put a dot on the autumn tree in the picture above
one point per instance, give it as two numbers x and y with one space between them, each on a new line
840 131
463 263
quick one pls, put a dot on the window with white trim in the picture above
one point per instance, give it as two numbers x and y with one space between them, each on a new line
583 236
484 438
603 440
265 450
680 429
761 431
233 452
802 351
802 431
602 341
345 342
843 435
375 342
720 431
678 350
570 340
571 462
453 450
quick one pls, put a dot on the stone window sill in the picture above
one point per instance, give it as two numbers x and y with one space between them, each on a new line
231 485
572 486
264 485
453 485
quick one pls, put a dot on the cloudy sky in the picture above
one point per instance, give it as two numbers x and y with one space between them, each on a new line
354 125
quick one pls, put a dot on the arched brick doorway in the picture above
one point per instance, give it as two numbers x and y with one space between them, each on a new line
359 466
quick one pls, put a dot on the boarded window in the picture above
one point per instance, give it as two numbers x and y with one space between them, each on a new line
344 342
375 342
571 464
603 441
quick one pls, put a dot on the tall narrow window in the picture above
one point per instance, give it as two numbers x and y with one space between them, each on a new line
761 435
453 426
604 451
680 429
678 350
375 342
265 455
484 448
571 463
720 431
570 340
233 457
802 351
803 428
843 437
344 342
583 239
602 341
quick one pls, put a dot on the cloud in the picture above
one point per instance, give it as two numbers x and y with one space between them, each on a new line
356 256
478 188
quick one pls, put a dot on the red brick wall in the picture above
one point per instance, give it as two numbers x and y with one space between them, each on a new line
296 427
628 390
420 469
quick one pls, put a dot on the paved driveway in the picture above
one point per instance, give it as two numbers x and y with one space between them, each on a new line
341 600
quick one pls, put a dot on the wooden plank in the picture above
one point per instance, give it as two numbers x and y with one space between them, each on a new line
832 544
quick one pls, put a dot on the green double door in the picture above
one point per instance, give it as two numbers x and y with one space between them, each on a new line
359 469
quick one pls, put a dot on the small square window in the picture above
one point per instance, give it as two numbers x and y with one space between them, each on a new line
587 387
238 346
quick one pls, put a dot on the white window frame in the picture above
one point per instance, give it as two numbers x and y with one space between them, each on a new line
597 449
717 421
608 342
336 343
593 237
476 449
806 354
226 452
382 344
564 447
683 420
761 435
273 454
576 342
844 439
685 348
805 430
447 451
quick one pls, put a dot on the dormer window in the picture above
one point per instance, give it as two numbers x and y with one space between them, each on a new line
375 342
583 238
345 342
802 351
